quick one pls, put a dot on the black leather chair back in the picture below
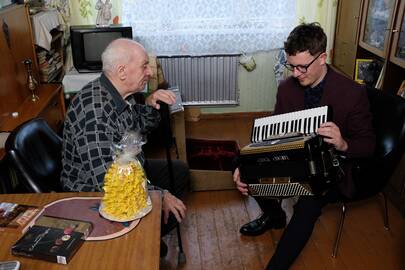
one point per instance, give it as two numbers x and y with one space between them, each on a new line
388 112
34 151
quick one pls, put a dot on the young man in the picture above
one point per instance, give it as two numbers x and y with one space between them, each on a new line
100 114
313 83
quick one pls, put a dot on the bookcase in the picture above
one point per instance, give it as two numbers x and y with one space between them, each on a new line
49 47
50 62
374 30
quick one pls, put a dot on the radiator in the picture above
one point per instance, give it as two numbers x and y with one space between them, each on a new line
203 80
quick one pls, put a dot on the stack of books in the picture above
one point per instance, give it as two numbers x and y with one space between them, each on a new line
16 217
44 237
50 64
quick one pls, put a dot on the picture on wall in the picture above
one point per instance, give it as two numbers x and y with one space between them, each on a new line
362 69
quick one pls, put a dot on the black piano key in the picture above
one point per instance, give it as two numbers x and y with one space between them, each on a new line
299 125
278 128
283 127
263 133
272 129
254 134
315 119
316 123
287 125
266 132
309 126
257 134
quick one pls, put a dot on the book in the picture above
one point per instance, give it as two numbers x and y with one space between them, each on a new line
47 243
178 105
81 226
15 217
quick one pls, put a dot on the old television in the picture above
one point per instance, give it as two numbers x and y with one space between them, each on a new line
89 41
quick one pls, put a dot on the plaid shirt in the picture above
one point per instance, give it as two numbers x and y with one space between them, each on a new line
98 117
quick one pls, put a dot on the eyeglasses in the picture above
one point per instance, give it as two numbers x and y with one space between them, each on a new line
300 68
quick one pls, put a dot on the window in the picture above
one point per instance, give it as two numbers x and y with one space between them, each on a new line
209 27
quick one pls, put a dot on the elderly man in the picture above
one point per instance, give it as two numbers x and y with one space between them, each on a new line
102 112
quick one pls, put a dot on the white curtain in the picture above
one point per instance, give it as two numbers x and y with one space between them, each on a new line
207 27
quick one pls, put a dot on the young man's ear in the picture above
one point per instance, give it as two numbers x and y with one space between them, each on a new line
323 57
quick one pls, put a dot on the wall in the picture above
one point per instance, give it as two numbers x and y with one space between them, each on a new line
257 89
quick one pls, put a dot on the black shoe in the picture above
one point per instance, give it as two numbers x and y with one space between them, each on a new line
262 224
163 249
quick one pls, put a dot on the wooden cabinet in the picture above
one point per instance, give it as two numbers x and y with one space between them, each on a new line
376 26
397 54
50 106
374 29
16 45
346 34
376 34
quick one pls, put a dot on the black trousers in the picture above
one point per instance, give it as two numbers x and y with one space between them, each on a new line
295 236
157 172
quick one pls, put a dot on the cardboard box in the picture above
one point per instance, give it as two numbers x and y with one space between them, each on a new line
210 163
211 180
201 179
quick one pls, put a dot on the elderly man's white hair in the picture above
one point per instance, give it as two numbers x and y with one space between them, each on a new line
117 53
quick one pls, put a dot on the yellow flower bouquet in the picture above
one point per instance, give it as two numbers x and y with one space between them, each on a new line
125 191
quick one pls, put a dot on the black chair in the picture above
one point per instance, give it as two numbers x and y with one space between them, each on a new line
34 152
372 175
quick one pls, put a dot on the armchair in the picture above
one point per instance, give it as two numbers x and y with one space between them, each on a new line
33 150
372 175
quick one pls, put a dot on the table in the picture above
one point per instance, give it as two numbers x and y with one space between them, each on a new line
138 249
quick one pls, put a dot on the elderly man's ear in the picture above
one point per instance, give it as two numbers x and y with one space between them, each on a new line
121 72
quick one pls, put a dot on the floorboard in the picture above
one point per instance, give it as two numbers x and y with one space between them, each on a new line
211 237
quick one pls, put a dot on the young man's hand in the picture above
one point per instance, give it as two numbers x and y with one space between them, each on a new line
331 133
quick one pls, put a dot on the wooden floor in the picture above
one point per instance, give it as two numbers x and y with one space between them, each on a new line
211 237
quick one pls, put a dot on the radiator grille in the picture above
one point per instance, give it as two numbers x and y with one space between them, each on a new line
203 80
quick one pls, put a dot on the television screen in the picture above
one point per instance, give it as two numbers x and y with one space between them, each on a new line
88 43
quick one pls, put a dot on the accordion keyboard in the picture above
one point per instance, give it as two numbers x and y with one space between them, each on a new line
304 121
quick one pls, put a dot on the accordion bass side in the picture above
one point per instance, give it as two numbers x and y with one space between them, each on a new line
288 164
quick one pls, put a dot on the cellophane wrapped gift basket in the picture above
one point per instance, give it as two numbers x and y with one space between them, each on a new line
125 183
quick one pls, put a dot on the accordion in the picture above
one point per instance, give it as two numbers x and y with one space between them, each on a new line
286 157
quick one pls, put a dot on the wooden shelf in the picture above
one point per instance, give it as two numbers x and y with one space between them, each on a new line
29 109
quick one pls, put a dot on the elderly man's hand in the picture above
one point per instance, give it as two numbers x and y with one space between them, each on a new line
174 205
165 96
